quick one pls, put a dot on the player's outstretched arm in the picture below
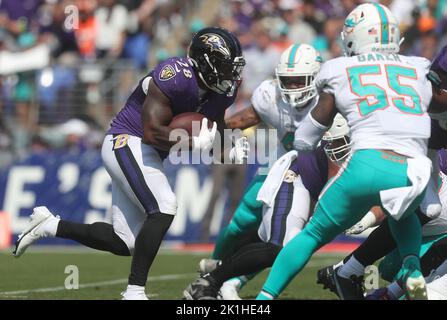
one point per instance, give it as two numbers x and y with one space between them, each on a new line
243 119
316 123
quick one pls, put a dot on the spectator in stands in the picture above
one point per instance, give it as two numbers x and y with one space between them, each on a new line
111 22
261 59
53 30
299 30
139 26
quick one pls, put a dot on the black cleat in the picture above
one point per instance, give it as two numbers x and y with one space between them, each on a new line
325 277
348 289
203 288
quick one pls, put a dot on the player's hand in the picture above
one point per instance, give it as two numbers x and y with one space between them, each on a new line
239 153
358 228
205 139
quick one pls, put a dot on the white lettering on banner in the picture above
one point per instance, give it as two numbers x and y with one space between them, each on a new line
99 195
192 200
16 197
68 175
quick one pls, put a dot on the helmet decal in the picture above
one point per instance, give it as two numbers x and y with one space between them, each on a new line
371 27
384 34
216 43
353 21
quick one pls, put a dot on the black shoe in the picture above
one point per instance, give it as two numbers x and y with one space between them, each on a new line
325 277
203 288
348 289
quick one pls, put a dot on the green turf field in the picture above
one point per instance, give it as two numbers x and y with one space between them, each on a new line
39 274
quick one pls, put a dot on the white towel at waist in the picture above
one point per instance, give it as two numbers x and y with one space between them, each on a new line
396 201
272 183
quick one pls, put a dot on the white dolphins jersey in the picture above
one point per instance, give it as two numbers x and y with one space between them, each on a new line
273 111
384 98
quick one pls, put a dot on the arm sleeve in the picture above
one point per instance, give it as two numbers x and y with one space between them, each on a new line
308 134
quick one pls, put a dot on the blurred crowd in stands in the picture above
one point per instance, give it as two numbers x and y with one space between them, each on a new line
67 66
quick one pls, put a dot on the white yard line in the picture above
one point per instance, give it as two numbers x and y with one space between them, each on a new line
95 284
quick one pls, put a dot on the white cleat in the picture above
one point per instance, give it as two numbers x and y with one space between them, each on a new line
416 288
35 230
134 293
208 265
230 291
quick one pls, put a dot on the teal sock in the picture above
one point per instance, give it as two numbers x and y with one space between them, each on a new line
411 267
291 260
244 279
407 234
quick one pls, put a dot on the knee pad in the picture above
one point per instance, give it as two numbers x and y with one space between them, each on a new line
431 204
432 210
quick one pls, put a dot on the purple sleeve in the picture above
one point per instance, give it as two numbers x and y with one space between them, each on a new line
442 153
440 61
438 137
175 78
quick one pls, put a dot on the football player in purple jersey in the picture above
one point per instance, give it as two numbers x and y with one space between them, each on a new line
143 203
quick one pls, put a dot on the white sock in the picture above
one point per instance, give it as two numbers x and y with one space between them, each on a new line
235 282
351 267
135 288
395 291
266 295
338 264
49 227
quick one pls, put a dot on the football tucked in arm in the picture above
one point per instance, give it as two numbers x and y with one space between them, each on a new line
189 121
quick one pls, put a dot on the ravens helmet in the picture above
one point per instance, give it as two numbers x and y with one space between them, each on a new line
216 55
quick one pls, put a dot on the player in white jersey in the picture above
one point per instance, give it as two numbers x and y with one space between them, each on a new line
384 97
380 242
433 257
281 103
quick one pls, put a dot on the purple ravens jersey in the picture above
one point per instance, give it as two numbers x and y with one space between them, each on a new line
313 169
438 137
176 79
442 153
